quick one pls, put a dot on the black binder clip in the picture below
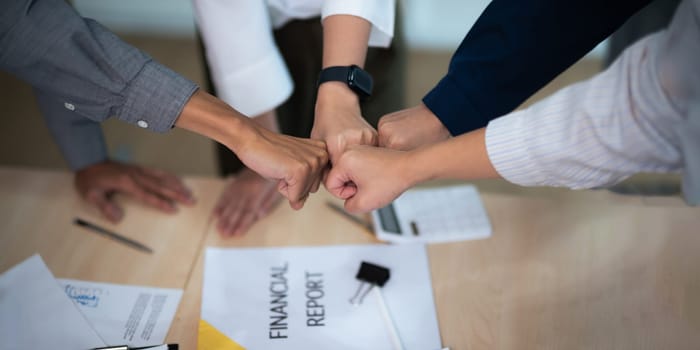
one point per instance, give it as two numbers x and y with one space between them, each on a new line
370 275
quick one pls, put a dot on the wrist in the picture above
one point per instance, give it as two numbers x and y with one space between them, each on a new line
409 171
355 78
333 95
238 134
208 116
419 166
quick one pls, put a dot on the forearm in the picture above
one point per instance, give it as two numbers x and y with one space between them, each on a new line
464 157
344 43
345 40
380 13
208 116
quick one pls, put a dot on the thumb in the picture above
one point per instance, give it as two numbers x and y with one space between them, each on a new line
352 205
293 193
339 183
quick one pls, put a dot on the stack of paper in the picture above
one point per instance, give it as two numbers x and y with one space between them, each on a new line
298 298
35 313
125 315
39 312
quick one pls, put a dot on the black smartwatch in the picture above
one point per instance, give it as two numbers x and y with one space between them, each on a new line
358 80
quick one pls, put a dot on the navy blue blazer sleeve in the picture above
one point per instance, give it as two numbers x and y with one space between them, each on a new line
514 49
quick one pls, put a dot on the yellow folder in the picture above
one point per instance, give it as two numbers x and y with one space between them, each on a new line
211 338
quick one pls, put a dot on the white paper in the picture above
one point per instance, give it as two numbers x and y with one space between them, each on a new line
123 314
441 214
247 291
35 313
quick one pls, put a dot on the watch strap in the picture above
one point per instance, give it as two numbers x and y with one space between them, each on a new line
358 80
336 73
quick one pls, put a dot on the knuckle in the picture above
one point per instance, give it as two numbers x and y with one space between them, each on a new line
383 128
368 134
303 168
315 163
386 134
391 142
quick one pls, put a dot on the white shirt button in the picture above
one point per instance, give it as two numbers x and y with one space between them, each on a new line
69 106
142 123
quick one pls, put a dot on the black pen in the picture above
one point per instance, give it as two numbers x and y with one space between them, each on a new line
338 209
114 236
366 225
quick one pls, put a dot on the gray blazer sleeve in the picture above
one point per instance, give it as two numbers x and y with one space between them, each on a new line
93 73
79 139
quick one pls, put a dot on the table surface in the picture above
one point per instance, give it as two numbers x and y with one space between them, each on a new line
577 271
37 209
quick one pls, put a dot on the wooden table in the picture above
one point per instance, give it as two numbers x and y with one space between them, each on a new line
584 270
37 209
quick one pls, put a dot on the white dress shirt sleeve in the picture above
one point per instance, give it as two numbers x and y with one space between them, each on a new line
380 13
624 121
246 67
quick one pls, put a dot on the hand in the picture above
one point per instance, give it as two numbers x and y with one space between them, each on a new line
297 164
411 128
99 182
368 178
247 198
338 120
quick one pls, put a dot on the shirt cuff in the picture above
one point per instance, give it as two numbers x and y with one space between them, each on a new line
155 98
454 110
508 149
257 88
380 13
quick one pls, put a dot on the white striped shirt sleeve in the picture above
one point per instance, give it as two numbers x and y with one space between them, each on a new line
601 131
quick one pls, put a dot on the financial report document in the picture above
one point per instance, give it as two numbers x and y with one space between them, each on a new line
299 297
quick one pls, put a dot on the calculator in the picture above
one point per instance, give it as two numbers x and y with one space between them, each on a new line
433 215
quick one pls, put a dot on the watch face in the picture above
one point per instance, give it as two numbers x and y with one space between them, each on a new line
360 81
